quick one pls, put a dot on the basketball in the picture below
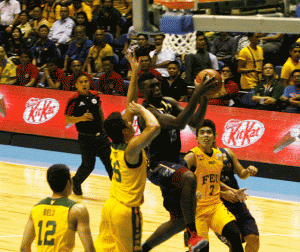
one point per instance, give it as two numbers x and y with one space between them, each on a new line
215 88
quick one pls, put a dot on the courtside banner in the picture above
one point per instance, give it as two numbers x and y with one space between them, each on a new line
262 136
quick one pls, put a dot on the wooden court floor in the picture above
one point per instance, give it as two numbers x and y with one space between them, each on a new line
21 187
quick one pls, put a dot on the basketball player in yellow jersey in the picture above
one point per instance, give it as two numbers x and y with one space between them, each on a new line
55 220
207 163
121 220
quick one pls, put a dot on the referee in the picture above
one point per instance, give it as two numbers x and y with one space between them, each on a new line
84 109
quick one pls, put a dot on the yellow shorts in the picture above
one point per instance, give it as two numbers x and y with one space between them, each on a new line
213 217
120 228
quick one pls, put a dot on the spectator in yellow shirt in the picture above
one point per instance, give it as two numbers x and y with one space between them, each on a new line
8 73
74 8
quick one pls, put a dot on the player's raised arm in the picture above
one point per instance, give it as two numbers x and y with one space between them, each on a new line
132 94
151 130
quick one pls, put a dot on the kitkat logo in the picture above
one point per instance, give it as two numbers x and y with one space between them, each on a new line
40 110
238 134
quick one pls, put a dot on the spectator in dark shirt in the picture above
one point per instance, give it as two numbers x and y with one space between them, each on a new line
27 73
230 90
223 47
44 48
143 47
69 81
53 76
110 82
14 45
195 63
268 91
110 19
79 48
81 19
177 86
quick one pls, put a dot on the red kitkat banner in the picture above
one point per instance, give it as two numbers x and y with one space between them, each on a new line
262 136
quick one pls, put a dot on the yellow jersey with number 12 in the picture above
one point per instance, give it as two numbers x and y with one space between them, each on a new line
50 218
208 172
128 183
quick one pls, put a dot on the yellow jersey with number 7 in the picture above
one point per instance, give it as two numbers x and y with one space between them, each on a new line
208 172
128 182
50 218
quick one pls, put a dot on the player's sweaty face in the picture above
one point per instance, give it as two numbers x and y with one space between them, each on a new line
206 137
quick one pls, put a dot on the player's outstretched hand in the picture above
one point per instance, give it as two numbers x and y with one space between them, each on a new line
206 84
241 195
134 62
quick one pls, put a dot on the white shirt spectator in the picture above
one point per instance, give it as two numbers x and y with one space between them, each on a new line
8 10
214 61
61 31
163 56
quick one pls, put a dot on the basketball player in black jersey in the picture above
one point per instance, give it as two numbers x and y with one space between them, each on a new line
177 183
244 220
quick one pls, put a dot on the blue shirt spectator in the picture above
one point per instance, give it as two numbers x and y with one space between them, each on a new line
44 48
79 48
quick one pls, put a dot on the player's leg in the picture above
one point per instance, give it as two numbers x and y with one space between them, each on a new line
88 156
252 243
187 181
163 233
103 151
247 226
223 222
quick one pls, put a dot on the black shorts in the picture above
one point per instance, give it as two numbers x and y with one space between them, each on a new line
244 220
167 176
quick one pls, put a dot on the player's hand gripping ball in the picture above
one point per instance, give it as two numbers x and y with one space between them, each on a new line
216 86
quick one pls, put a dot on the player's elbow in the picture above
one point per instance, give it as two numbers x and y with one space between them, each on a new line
155 129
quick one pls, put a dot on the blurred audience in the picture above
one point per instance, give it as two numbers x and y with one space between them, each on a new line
224 48
69 81
61 31
27 73
177 87
160 58
81 19
109 19
268 91
14 45
110 82
7 68
44 48
79 47
143 47
290 65
291 94
99 50
9 14
230 91
53 77
24 25
49 9
203 59
250 61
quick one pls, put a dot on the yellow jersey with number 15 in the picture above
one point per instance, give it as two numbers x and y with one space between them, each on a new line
50 218
208 172
128 183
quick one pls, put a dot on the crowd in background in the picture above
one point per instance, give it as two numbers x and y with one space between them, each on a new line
48 44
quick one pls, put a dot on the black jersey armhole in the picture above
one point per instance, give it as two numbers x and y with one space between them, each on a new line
132 166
